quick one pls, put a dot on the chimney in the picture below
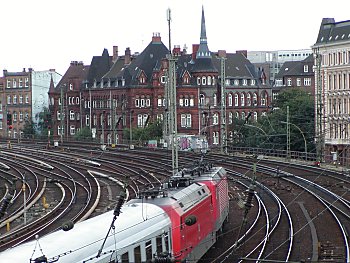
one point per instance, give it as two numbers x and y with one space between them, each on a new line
115 53
195 48
176 50
243 52
4 72
24 69
127 59
156 38
222 53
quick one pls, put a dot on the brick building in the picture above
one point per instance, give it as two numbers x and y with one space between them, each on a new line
24 96
122 91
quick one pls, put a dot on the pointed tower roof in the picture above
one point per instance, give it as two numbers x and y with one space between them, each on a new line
203 50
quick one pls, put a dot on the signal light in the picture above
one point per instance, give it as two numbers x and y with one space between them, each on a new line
9 119
10 127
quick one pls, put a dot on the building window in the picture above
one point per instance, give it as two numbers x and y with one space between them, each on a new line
27 99
71 115
215 137
26 82
298 82
307 81
236 100
72 130
148 102
8 85
245 82
198 80
289 82
9 99
20 83
191 102
263 99
186 102
214 99
306 68
20 99
230 99
162 79
201 99
249 100
209 80
14 83
137 103
70 86
159 102
252 82
215 119
181 102
186 120
15 99
255 99
230 118
204 80
242 99
236 82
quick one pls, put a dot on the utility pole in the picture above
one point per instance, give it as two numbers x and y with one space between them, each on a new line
319 109
223 133
172 102
288 135
62 115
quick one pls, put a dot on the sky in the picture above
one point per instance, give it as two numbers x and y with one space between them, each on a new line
50 34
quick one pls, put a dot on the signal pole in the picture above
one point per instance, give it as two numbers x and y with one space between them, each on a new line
223 133
319 109
172 102
62 116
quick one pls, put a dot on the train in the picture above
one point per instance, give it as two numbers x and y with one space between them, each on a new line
177 222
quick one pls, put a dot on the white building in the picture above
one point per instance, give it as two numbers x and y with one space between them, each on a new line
332 78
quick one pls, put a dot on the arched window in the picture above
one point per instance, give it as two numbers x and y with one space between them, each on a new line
216 118
201 99
255 99
204 80
236 99
242 99
229 99
209 80
230 117
249 100
214 99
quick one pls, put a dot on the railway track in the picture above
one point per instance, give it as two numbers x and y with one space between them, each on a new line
299 212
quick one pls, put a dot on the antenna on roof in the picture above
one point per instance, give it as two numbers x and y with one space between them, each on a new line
168 18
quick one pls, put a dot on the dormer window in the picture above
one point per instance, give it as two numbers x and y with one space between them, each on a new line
162 79
306 68
236 82
70 86
204 80
198 81
245 82
209 80
252 82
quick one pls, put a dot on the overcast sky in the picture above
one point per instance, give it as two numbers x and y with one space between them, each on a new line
50 34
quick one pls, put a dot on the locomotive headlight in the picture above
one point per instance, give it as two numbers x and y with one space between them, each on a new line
190 220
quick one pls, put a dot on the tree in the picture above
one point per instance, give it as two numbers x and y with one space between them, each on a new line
29 130
301 115
84 134
45 121
153 131
270 131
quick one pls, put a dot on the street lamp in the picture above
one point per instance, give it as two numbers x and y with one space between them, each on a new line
305 144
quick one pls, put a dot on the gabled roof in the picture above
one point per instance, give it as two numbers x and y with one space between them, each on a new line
99 66
146 61
333 32
76 70
296 68
236 66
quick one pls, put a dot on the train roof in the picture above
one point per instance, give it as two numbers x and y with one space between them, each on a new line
136 221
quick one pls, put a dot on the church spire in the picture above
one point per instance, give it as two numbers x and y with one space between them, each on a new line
203 50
